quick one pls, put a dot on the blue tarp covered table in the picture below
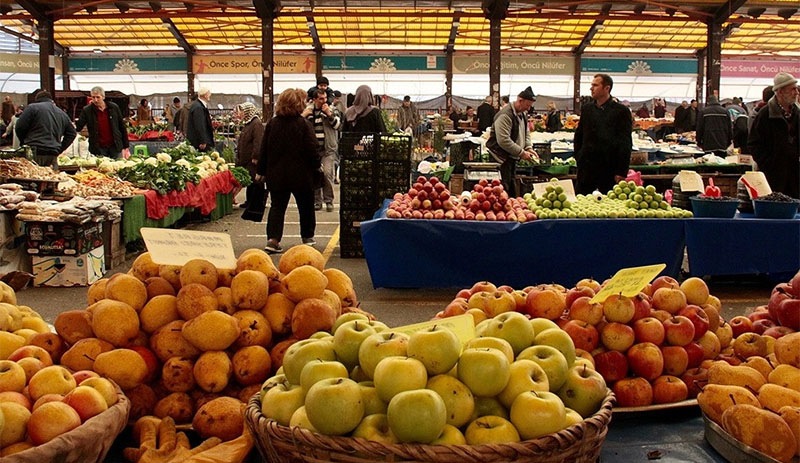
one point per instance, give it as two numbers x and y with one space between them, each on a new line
408 253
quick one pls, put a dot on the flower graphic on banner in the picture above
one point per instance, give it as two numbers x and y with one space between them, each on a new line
639 67
126 65
382 65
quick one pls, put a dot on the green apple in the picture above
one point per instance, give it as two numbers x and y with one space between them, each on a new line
485 371
320 335
417 416
451 435
397 374
436 347
376 428
357 374
500 344
281 401
272 382
536 414
372 403
348 338
317 370
302 352
485 406
526 375
583 391
572 417
300 419
334 406
560 340
458 399
541 325
491 430
347 317
511 326
378 326
378 346
552 362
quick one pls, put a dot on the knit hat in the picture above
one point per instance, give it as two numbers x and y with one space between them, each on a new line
248 110
527 94
337 94
783 79
323 80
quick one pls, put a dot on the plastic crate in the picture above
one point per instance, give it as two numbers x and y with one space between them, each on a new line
395 148
356 170
393 172
350 244
545 156
356 197
355 145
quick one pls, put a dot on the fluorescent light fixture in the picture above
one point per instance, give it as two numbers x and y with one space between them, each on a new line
97 51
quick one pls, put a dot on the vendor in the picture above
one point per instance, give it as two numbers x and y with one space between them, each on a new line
468 122
108 135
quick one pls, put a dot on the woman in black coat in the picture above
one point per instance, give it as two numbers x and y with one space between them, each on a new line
362 116
288 163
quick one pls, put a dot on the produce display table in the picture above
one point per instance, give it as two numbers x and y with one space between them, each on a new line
451 253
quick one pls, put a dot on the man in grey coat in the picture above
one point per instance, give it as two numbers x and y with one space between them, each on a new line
326 121
46 128
508 141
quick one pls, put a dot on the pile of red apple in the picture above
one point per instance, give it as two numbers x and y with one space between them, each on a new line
779 317
430 199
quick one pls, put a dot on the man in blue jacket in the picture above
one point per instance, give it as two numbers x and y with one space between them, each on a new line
105 125
46 128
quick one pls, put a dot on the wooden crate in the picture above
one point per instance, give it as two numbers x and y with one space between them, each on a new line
114 247
456 184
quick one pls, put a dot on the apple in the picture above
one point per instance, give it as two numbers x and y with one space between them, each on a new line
760 313
104 386
664 281
304 351
583 391
16 418
617 336
780 293
520 298
725 334
541 325
590 282
576 293
584 335
545 303
714 319
16 397
777 331
678 330
552 361
696 290
87 401
511 326
794 285
458 399
670 299
645 360
478 315
618 308
740 324
660 315
585 310
482 286
82 375
536 414
334 406
317 370
698 317
418 416
710 344
560 340
47 398
642 306
788 313
763 324
669 389
497 343
612 365
485 371
50 421
695 353
525 375
457 306
393 375
633 392
380 345
281 399
491 430
749 345
36 352
375 427
12 376
649 329
369 395
676 360
54 379
695 379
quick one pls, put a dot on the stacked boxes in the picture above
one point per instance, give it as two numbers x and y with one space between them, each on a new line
372 167
64 253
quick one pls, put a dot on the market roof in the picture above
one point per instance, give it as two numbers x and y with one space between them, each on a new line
751 28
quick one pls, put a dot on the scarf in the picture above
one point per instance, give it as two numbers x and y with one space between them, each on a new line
248 110
362 104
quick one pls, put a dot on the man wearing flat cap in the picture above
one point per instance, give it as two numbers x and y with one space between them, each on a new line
773 139
508 141
602 140
322 84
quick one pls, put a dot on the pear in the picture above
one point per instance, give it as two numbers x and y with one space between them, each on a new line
123 366
212 330
213 370
722 372
774 397
304 282
714 399
761 429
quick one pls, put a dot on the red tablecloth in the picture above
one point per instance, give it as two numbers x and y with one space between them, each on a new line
202 196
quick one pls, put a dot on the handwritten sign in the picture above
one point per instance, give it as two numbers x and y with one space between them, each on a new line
759 182
690 181
176 247
628 282
540 189
462 325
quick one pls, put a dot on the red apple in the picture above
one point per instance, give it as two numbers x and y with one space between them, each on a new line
645 360
795 284
590 282
81 375
633 392
695 379
698 317
463 294
778 331
584 335
760 313
763 324
545 302
649 329
618 308
87 401
457 306
740 324
150 359
779 294
695 353
482 286
18 397
676 360
669 389
612 365
664 281
583 309
670 299
661 315
577 292
36 352
641 303
788 313
617 336
51 420
679 331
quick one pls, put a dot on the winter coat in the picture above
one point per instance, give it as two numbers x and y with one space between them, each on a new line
45 126
119 132
248 146
602 146
198 126
289 155
776 149
371 122
714 128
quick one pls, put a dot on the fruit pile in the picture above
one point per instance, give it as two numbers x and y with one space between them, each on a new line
758 401
430 199
518 379
780 316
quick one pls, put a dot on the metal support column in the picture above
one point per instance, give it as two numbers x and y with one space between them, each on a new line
46 52
448 82
494 60
713 58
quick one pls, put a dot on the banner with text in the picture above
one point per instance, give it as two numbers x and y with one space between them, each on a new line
639 66
515 65
751 68
24 64
128 65
251 64
384 64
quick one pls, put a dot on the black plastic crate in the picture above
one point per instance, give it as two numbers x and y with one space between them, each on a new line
395 148
354 145
350 244
349 218
359 170
545 156
357 197
393 172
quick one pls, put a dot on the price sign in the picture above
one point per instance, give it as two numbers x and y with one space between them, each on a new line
462 325
176 247
690 181
759 182
628 282
540 189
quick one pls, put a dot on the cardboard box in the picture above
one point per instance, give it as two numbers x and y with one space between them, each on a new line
115 248
10 227
81 270
63 238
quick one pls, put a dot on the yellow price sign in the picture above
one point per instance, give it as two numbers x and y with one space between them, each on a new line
462 325
628 281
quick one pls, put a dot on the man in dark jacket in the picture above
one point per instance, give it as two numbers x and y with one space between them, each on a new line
508 142
104 123
714 132
199 131
774 139
602 140
46 128
682 118
485 114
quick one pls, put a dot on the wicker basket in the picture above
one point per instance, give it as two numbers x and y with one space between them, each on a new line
579 443
88 443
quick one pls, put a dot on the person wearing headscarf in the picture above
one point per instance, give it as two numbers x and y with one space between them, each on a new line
248 146
362 116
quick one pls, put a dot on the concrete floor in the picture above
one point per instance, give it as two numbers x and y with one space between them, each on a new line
393 306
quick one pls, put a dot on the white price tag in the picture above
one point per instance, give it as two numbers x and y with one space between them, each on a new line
758 181
176 247
690 181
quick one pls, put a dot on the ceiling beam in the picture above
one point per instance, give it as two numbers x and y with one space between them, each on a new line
312 30
727 9
34 9
179 37
451 40
587 38
267 8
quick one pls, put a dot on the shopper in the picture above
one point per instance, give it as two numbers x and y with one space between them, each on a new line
773 139
766 95
107 132
485 114
172 113
339 105
248 147
602 140
407 116
288 162
144 113
326 121
740 122
643 112
362 116
714 132
182 117
199 130
504 101
8 110
322 84
508 141
468 122
46 128
681 122
659 109
693 112
553 123
10 132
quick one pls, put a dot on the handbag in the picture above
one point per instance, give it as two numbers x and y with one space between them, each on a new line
257 204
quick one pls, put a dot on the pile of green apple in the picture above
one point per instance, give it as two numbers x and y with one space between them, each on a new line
518 379
553 198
